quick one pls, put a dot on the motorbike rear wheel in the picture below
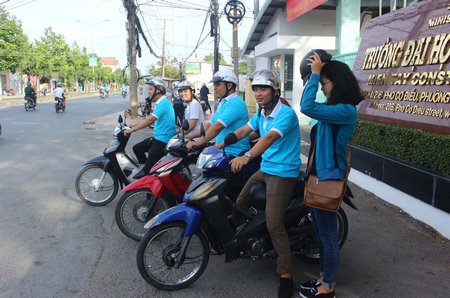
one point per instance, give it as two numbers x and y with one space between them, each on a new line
93 189
158 253
135 208
307 245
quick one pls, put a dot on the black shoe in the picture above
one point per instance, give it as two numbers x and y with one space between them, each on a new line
286 288
306 285
140 174
313 293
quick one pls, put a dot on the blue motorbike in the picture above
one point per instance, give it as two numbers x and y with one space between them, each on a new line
175 250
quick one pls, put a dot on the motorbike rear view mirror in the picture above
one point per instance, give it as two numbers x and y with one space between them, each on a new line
185 125
230 139
202 130
120 120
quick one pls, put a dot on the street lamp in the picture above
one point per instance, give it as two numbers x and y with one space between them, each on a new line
91 28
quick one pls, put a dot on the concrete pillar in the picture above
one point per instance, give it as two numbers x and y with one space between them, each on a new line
348 14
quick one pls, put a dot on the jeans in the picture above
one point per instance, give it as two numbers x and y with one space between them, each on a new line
325 224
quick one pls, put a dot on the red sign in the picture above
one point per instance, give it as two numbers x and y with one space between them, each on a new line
295 8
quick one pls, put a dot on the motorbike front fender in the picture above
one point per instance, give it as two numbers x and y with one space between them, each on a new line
182 212
99 160
149 182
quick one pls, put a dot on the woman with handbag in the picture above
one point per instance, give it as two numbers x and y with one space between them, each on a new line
328 154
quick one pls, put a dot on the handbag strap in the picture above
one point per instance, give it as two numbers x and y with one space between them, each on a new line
349 151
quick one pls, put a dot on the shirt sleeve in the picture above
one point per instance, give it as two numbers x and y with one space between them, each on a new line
285 123
254 122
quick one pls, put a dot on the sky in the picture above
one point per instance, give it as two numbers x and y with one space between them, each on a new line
99 25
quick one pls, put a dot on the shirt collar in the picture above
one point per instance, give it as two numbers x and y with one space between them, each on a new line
275 111
161 98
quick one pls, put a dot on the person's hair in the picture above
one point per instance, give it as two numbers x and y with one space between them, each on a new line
345 86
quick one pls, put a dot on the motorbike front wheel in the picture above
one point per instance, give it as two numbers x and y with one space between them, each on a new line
135 208
160 251
307 245
95 186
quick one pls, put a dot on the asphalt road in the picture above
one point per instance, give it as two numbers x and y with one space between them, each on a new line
54 245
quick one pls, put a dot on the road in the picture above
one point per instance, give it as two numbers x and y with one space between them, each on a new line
54 245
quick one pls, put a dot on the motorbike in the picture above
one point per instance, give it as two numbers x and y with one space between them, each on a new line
97 183
164 187
29 103
0 129
102 95
124 93
175 250
59 104
145 109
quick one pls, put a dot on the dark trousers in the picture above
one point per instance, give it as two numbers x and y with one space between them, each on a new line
156 150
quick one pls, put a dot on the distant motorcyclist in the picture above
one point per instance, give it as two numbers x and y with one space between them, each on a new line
106 88
59 94
204 91
30 92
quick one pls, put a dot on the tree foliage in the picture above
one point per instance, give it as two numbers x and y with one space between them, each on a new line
13 42
210 58
171 69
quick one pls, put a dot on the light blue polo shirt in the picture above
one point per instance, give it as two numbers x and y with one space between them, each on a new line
165 120
282 158
232 113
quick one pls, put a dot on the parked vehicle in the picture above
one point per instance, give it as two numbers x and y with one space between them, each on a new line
59 104
175 251
29 103
163 188
98 182
145 109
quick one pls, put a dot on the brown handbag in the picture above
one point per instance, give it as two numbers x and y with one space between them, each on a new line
325 194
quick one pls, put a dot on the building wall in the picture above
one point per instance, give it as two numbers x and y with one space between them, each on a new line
316 29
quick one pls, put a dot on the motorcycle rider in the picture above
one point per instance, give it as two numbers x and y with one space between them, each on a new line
59 94
193 112
204 91
29 91
164 118
231 114
279 147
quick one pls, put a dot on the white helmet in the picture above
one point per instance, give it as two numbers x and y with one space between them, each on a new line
184 85
159 84
226 75
265 77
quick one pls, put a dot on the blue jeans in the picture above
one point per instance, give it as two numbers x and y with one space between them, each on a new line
325 224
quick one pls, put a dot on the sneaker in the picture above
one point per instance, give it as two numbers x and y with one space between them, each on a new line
286 288
306 285
312 293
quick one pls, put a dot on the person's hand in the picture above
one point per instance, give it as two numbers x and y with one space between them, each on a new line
191 144
315 63
238 163
127 132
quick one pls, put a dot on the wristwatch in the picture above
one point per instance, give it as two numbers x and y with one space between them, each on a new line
248 154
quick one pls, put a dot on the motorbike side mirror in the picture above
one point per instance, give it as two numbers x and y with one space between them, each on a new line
185 125
202 130
230 139
120 120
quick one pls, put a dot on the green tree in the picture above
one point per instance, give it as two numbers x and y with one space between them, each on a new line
243 68
171 69
210 58
13 42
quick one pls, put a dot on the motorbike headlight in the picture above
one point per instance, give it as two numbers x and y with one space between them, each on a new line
208 156
173 143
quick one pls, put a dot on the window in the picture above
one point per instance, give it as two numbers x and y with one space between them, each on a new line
275 64
288 72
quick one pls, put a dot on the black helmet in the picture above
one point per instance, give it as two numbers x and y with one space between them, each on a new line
305 69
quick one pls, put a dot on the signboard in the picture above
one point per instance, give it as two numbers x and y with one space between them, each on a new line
295 8
193 68
92 61
403 68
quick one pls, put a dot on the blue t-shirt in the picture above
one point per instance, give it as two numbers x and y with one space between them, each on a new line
282 158
165 120
232 113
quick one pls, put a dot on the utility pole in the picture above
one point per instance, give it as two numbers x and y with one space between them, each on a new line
235 45
235 11
132 55
163 50
215 31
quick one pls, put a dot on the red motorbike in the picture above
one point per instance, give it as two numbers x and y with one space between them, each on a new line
161 189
